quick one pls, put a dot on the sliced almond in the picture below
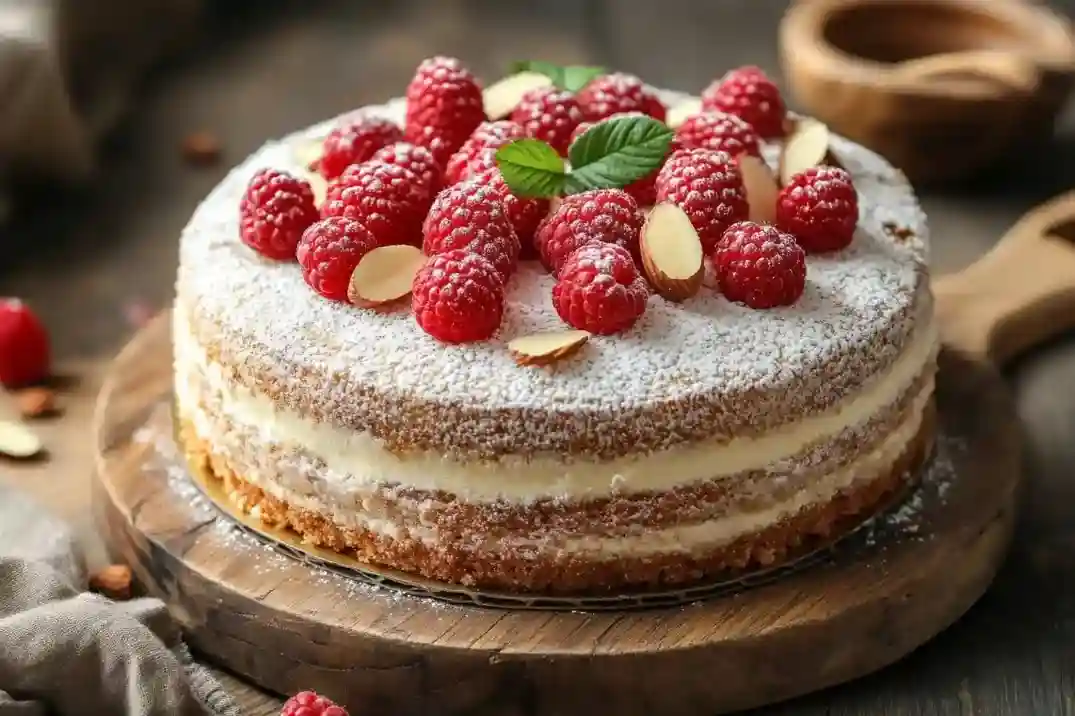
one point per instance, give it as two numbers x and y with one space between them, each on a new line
18 442
308 152
805 148
762 189
501 97
677 114
385 275
547 348
672 255
319 185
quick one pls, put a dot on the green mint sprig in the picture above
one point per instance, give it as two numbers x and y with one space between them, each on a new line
569 77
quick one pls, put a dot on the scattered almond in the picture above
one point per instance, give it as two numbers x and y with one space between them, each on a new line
113 581
201 148
385 275
308 152
319 185
18 442
677 114
501 97
805 148
547 348
762 189
672 254
36 402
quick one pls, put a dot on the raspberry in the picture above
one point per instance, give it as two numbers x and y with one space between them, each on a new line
354 141
472 217
25 355
759 265
600 289
275 210
329 252
478 153
444 105
550 115
307 703
720 131
607 215
458 297
748 93
524 212
387 198
418 160
618 93
707 185
820 208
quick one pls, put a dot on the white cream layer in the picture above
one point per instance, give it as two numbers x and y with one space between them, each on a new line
366 464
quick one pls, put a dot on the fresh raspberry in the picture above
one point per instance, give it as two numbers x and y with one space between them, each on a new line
524 212
748 93
820 208
550 115
25 356
478 153
607 215
275 210
458 297
354 141
444 106
618 93
707 185
418 160
387 198
329 252
759 265
307 703
471 216
600 289
720 131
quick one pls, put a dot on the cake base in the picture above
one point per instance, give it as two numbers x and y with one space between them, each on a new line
287 625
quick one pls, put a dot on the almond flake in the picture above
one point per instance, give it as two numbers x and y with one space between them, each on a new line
547 348
672 255
501 97
806 148
761 187
308 152
385 275
18 442
679 113
319 185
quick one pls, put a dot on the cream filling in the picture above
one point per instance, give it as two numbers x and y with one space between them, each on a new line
364 463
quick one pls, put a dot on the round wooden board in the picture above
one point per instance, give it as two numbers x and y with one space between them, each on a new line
287 626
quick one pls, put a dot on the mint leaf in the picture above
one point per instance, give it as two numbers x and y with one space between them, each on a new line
578 76
571 78
531 167
616 152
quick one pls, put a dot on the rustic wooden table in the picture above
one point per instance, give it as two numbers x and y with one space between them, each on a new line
266 68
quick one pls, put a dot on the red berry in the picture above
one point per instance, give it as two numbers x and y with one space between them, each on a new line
25 356
275 210
820 208
600 290
607 215
550 115
759 265
329 252
524 212
418 160
458 297
471 216
444 106
354 141
720 131
388 199
748 93
618 93
478 153
307 703
707 185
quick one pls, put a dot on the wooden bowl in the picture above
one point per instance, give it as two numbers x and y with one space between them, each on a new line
942 88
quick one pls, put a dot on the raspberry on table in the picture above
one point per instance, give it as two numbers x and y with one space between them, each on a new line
618 93
356 139
719 131
388 199
478 153
25 351
759 265
308 703
607 215
707 185
549 114
524 212
458 297
274 211
329 252
748 93
819 207
600 289
418 160
444 106
472 217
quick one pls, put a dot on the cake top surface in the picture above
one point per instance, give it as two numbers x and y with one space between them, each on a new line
685 362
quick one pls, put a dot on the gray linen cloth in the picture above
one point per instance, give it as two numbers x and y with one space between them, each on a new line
66 652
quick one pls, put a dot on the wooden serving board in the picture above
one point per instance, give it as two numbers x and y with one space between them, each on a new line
288 625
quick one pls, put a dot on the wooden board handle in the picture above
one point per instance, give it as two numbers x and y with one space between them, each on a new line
1019 294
